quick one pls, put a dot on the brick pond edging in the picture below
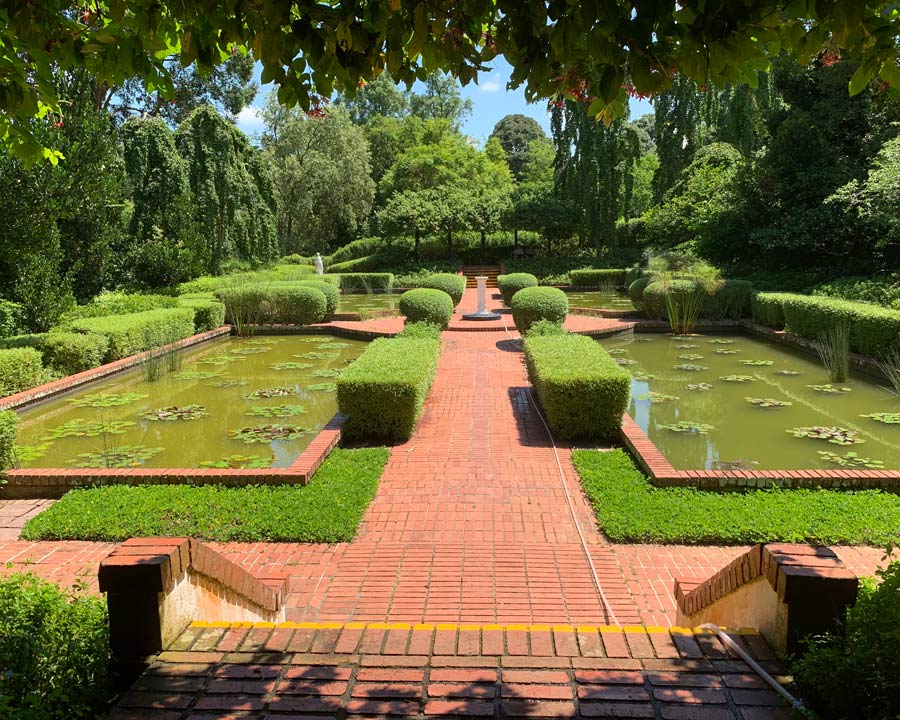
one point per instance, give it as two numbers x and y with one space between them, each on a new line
663 474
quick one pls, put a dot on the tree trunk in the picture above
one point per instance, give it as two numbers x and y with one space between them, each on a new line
516 237
418 238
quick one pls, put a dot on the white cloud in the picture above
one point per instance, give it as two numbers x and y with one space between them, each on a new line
490 86
249 119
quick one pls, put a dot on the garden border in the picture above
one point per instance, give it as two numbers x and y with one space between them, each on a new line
27 483
663 474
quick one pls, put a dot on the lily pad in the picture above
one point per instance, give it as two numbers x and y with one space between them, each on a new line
617 351
767 402
658 397
721 341
683 338
218 360
89 428
317 356
239 462
291 366
687 346
644 339
829 389
266 341
333 346
884 417
228 383
126 456
625 362
276 411
197 374
688 426
176 412
851 459
737 378
267 433
690 368
269 393
249 351
106 400
834 435
699 387
28 453
732 465
327 373
725 351
758 363
322 387
789 373
690 357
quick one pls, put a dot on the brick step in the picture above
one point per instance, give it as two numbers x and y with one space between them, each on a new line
472 271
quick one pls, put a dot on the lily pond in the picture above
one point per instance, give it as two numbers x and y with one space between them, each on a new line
600 299
718 402
366 302
242 403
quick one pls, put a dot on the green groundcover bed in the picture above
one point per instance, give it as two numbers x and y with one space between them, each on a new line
328 509
630 509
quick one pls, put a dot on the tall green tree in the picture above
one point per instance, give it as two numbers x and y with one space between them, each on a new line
231 186
379 98
516 133
441 100
322 178
677 126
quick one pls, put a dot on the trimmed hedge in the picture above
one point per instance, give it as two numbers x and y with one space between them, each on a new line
590 277
532 304
136 332
882 290
331 293
450 283
367 281
654 297
208 314
295 304
509 285
581 389
381 393
765 309
54 651
636 292
33 340
9 421
873 330
419 330
119 303
731 300
429 306
69 352
10 319
20 369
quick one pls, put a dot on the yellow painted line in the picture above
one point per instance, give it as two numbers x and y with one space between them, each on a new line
398 626
423 626
610 628
703 631
199 623
656 629
470 627
287 625
539 628
242 624
677 630
516 627
331 625
634 629
264 625
378 626
487 628
308 625
220 624
446 626
355 626
587 628
563 628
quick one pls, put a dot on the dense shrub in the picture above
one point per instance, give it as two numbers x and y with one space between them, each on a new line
731 300
295 305
552 270
381 392
765 309
654 296
296 259
452 284
69 352
20 369
509 285
778 280
636 291
425 305
368 281
413 275
542 328
202 284
9 421
119 303
581 389
596 278
54 651
873 330
136 332
882 290
858 675
208 314
331 293
10 319
532 304
32 340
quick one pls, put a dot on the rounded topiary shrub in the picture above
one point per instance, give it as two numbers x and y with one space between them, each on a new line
636 292
533 304
301 305
332 294
451 284
511 284
655 293
428 306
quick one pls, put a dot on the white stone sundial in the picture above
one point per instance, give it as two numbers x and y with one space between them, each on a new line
483 313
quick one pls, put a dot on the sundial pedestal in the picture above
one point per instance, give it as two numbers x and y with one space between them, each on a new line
483 313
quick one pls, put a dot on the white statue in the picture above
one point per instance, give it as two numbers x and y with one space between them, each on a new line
320 268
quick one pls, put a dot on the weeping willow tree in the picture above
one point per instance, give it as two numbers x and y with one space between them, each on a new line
594 169
677 122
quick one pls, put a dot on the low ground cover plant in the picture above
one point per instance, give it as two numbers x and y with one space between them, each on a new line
630 509
582 391
328 509
428 306
381 393
54 651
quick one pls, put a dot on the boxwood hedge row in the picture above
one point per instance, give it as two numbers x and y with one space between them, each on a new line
136 332
510 284
381 392
581 389
592 277
20 369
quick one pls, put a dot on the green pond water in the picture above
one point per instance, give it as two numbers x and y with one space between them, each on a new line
126 421
366 302
605 299
741 434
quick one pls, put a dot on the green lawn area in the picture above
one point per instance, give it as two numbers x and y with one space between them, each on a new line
630 509
327 510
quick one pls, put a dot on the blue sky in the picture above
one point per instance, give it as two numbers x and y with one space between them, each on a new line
490 98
